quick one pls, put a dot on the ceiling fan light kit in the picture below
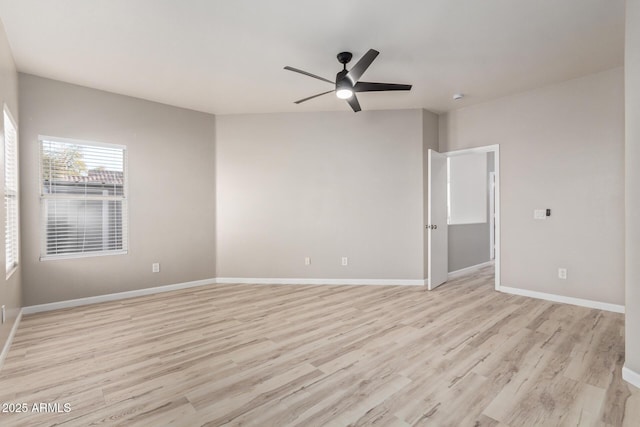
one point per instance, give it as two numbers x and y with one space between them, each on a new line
344 93
344 88
348 82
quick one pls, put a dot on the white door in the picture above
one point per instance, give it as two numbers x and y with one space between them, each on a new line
437 220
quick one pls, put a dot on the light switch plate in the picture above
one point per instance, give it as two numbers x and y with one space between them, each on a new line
539 214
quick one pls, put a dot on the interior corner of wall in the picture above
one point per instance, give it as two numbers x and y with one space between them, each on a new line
443 131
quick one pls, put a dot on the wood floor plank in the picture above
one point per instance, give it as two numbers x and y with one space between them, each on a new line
325 355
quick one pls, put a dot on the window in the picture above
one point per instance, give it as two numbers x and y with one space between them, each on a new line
83 198
11 226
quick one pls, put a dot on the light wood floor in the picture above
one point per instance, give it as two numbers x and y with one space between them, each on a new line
463 355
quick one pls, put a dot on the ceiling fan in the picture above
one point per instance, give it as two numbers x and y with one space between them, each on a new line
348 82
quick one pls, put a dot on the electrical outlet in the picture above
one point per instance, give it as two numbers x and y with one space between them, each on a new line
562 273
155 267
307 261
345 260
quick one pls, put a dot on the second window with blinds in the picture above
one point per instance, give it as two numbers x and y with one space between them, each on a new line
11 203
83 196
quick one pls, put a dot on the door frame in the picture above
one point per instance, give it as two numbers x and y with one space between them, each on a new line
492 216
495 149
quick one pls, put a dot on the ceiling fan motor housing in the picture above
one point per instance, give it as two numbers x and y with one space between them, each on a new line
344 57
342 82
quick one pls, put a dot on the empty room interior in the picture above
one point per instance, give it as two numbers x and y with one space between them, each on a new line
329 213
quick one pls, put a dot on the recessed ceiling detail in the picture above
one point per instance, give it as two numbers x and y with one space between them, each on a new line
226 57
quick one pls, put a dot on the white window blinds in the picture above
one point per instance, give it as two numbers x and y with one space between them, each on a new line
12 244
83 197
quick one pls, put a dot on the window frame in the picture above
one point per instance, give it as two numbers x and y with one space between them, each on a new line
43 219
12 269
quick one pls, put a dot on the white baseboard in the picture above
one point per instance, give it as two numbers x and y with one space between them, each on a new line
280 281
223 280
7 344
632 377
263 281
467 270
563 299
116 296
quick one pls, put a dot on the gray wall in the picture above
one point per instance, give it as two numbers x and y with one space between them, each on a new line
561 147
171 190
10 290
469 243
323 185
632 157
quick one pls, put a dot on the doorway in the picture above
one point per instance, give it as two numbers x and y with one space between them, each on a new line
439 214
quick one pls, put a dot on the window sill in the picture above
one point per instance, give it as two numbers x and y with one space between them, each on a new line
82 255
11 271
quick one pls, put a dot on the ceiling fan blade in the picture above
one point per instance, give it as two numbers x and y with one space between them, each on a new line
361 66
353 102
375 87
314 96
295 70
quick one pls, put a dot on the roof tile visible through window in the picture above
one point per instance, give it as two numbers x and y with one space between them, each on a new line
96 176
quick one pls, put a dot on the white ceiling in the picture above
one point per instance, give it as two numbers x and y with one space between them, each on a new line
227 56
